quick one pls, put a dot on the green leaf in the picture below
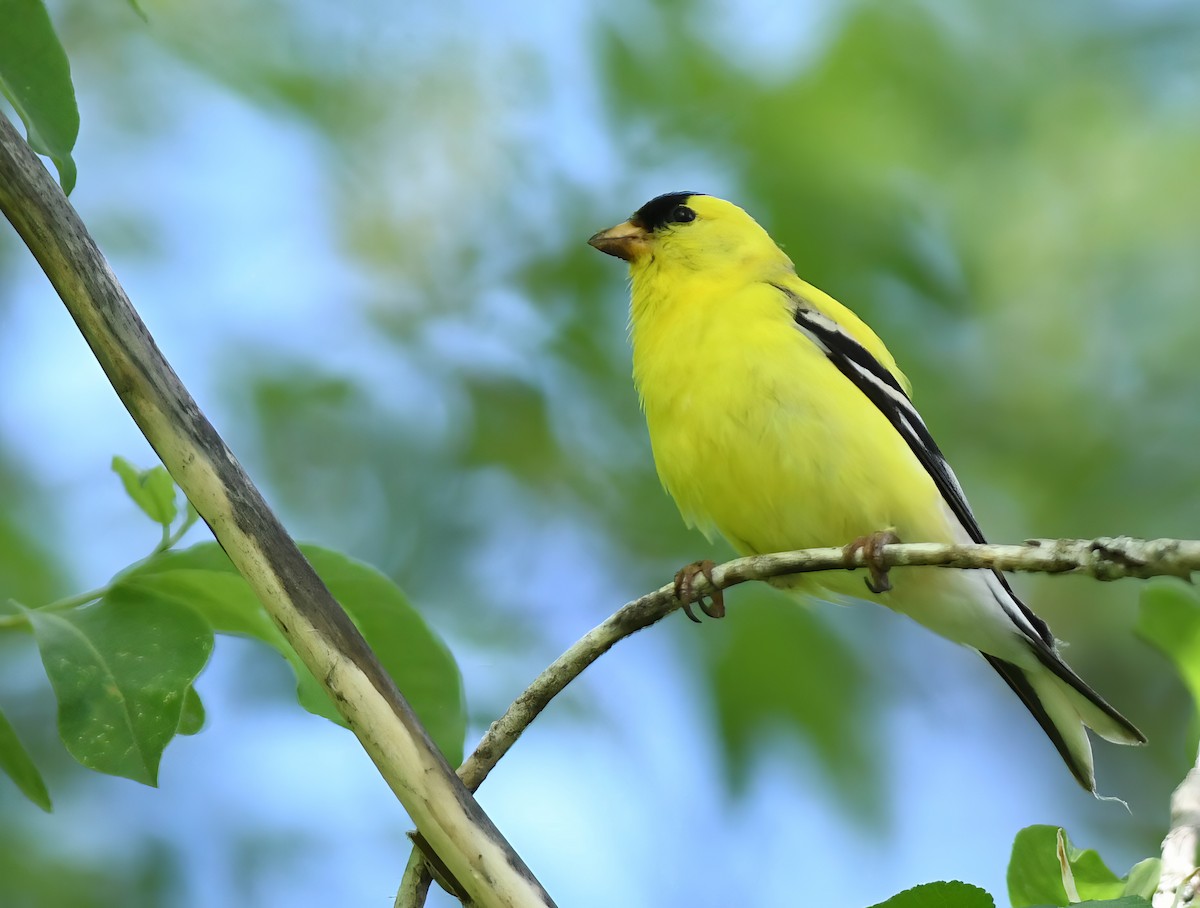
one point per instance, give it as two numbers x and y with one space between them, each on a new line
1034 873
1169 619
421 665
191 719
152 490
28 572
1142 879
121 670
1037 876
940 895
35 76
19 766
1128 901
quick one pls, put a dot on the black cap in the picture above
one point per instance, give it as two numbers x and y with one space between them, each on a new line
657 212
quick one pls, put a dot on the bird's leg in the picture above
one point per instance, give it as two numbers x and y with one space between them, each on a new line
877 573
684 580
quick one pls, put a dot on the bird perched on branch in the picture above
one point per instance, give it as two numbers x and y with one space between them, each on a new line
779 419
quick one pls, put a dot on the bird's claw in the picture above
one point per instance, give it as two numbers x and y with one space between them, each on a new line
877 579
685 578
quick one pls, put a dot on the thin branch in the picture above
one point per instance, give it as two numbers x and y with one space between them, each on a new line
1106 558
1177 881
171 539
449 819
414 887
630 619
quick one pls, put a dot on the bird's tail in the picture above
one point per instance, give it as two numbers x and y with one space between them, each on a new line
1065 707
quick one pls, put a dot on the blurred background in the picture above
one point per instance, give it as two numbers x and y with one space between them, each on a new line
358 232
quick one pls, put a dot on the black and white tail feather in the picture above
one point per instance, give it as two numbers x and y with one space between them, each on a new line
1059 699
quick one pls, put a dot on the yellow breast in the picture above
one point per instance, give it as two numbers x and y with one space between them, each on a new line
758 436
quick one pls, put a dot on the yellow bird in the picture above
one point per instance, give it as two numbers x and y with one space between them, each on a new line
778 419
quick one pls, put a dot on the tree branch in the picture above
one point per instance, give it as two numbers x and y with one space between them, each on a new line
1177 880
414 886
1105 558
471 847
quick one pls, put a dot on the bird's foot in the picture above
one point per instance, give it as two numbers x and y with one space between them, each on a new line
684 581
877 580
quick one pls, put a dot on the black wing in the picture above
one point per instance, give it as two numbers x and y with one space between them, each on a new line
874 380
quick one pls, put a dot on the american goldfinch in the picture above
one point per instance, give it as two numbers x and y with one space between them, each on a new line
778 419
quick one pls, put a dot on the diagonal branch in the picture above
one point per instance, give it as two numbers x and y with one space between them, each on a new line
449 819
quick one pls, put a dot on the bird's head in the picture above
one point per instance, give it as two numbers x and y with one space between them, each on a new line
694 232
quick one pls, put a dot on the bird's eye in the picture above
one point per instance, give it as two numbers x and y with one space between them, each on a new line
682 214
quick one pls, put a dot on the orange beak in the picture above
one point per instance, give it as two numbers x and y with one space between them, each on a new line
628 240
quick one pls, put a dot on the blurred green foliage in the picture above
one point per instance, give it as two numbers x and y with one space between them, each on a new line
825 696
1170 620
1006 192
35 879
